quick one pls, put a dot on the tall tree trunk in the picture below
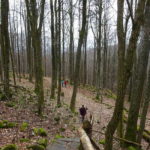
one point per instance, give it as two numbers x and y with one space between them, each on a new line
63 42
44 46
124 65
71 49
29 49
18 54
1 71
1 67
12 58
144 110
139 80
94 64
105 53
5 43
12 49
99 50
85 55
53 52
59 55
36 28
78 57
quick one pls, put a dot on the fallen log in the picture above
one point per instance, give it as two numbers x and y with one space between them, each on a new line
85 140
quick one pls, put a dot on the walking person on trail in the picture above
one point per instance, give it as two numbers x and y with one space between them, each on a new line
65 83
83 112
62 83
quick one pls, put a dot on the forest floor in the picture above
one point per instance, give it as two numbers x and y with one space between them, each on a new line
58 122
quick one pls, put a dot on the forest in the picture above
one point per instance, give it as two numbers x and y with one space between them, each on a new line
74 75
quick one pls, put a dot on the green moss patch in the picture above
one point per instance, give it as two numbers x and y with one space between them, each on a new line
7 124
40 131
10 147
24 140
110 94
36 147
43 142
102 141
10 104
2 96
131 148
58 136
24 126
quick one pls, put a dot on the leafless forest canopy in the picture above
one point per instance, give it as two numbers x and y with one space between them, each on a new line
60 52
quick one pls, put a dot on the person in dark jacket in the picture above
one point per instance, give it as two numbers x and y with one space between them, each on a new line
83 112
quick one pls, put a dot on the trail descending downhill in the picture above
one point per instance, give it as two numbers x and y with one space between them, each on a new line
59 122
101 112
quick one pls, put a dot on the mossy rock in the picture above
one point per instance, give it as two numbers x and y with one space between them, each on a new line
10 104
36 147
7 124
10 147
102 141
1 124
24 126
24 140
11 125
40 131
131 148
58 136
43 142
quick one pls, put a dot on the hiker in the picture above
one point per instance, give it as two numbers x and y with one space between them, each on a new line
83 111
62 83
65 83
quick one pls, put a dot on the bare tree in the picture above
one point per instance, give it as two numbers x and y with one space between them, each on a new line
54 71
78 56
125 65
5 44
139 80
36 28
71 43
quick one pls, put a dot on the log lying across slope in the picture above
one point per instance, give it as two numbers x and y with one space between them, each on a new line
86 143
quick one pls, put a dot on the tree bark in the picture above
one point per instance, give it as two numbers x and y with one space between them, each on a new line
36 28
78 57
99 50
140 74
124 65
5 44
144 110
59 54
53 84
71 45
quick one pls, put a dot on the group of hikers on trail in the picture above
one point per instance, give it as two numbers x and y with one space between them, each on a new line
82 110
64 83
